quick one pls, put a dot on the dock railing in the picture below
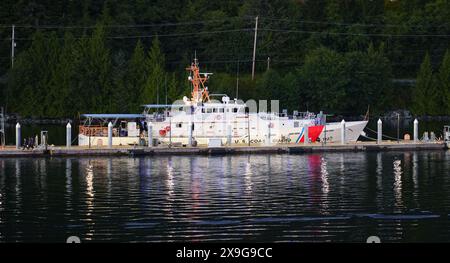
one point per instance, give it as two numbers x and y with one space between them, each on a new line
93 131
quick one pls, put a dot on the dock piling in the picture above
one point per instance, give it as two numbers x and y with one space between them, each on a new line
229 135
68 135
150 134
416 130
190 134
343 139
110 127
379 131
18 137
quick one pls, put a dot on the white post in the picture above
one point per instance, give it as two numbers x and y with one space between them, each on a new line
18 136
268 134
379 131
68 135
150 134
306 134
110 139
416 130
343 139
229 134
190 133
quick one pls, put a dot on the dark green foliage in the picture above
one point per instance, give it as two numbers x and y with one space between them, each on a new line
443 80
426 92
337 56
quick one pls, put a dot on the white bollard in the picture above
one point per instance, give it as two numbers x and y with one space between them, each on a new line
229 134
150 134
416 130
190 134
18 137
306 134
379 131
343 139
110 139
68 135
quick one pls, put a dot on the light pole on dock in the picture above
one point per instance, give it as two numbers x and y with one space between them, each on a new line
13 44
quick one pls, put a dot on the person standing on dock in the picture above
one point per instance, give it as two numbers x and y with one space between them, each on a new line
25 144
31 142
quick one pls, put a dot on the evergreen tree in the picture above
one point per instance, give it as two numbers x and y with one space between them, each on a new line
136 76
173 92
94 76
29 79
425 95
122 97
268 87
324 78
61 85
444 82
154 85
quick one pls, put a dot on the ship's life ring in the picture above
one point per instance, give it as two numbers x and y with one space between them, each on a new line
167 128
162 132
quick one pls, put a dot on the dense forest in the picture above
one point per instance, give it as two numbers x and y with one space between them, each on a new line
340 56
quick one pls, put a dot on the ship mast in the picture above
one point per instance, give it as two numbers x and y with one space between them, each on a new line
199 91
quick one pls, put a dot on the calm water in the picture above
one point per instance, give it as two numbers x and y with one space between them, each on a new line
319 197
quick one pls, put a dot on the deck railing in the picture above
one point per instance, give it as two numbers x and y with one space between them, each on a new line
97 131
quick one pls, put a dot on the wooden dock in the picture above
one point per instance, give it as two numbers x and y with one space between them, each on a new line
60 151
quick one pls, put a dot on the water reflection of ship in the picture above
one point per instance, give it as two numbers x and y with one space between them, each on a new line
318 179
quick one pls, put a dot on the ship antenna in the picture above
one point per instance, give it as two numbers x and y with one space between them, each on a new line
195 58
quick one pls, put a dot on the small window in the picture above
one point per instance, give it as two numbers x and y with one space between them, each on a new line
214 110
179 125
209 110
221 110
203 110
235 110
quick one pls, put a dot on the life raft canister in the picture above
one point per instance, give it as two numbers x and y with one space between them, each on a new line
167 128
162 132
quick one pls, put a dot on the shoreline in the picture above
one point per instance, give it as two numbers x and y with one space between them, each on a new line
77 151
